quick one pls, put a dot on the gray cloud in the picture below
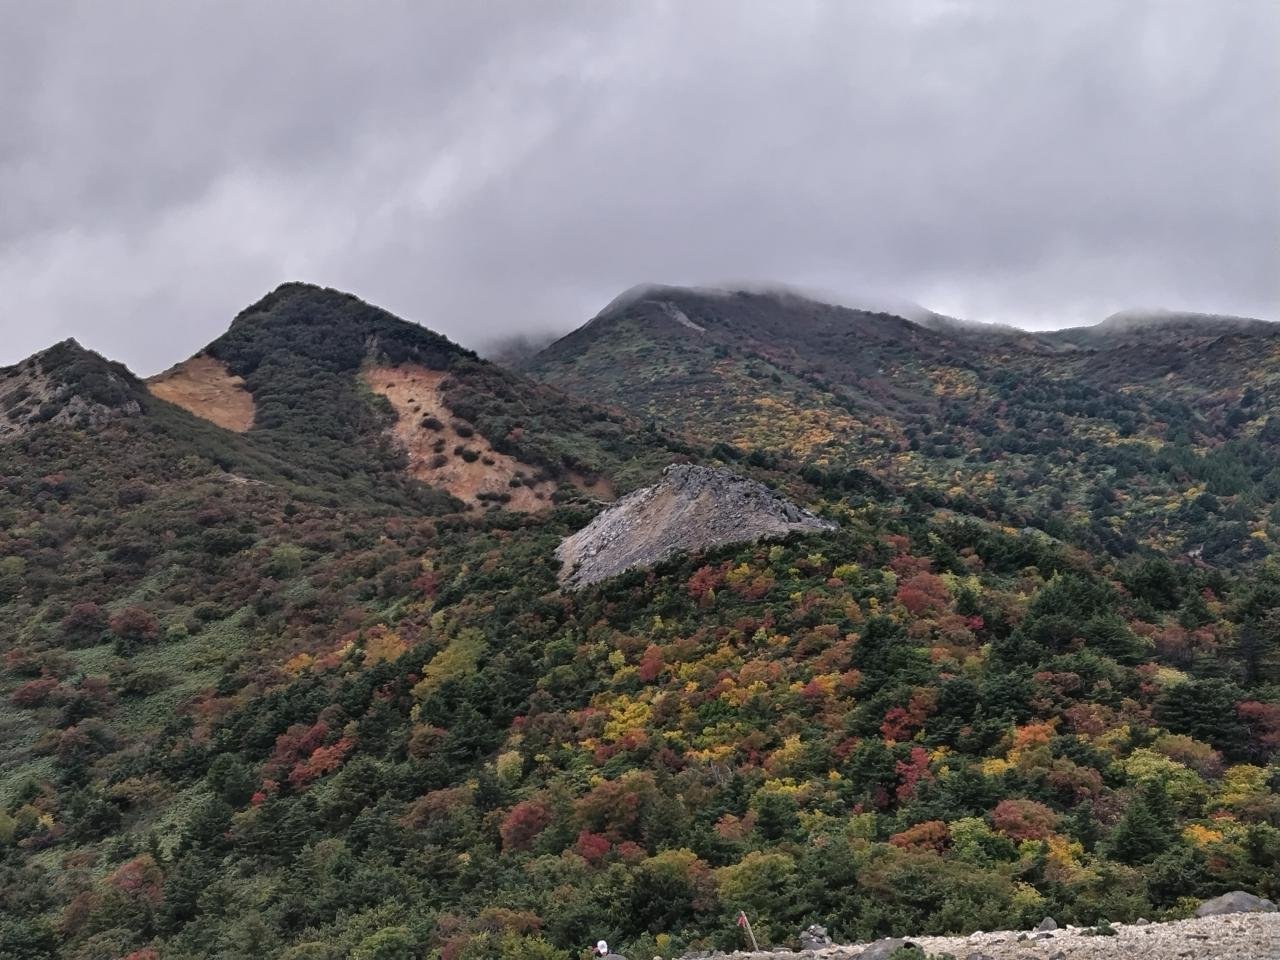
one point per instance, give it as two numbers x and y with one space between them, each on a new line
509 166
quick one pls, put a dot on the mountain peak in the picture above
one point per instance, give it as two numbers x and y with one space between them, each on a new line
769 314
311 295
57 354
319 376
1159 327
66 384
636 294
288 361
302 322
774 293
71 343
680 340
1137 318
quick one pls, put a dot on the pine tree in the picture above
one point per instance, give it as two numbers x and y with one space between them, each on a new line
1204 709
1147 828
1258 646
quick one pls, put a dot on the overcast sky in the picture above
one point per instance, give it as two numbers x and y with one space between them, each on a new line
486 167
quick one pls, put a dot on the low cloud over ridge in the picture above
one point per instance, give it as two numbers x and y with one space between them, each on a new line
495 168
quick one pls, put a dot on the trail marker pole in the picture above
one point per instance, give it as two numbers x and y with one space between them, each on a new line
744 922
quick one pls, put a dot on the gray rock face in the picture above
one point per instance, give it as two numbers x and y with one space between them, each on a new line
1237 901
690 508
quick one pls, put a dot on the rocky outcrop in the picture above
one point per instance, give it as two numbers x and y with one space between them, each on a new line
690 508
1237 901
814 937
65 385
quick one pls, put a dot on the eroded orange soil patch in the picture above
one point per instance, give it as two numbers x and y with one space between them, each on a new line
445 451
204 386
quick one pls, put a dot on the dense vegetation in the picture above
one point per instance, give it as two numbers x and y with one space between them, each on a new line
1168 442
256 704
299 350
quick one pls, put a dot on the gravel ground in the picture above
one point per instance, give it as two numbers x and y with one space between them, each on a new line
1237 936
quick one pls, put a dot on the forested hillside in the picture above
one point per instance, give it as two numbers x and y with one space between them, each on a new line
268 692
1162 435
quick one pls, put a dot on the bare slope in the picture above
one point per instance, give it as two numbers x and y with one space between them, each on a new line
204 386
690 508
446 451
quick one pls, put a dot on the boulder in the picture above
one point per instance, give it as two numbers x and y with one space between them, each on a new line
1048 923
1237 901
814 937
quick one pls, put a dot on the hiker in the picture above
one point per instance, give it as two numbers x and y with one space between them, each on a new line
602 950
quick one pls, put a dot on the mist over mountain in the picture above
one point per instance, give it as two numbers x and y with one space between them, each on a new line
516 349
1135 325
484 480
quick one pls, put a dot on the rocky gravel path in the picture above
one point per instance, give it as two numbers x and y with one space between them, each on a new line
1239 936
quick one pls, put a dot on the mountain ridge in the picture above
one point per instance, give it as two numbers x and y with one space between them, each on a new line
279 693
811 383
290 377
1151 318
1139 325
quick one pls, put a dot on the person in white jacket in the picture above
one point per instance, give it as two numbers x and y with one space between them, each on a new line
602 950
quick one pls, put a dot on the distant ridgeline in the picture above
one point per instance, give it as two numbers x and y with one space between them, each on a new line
289 666
1148 431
